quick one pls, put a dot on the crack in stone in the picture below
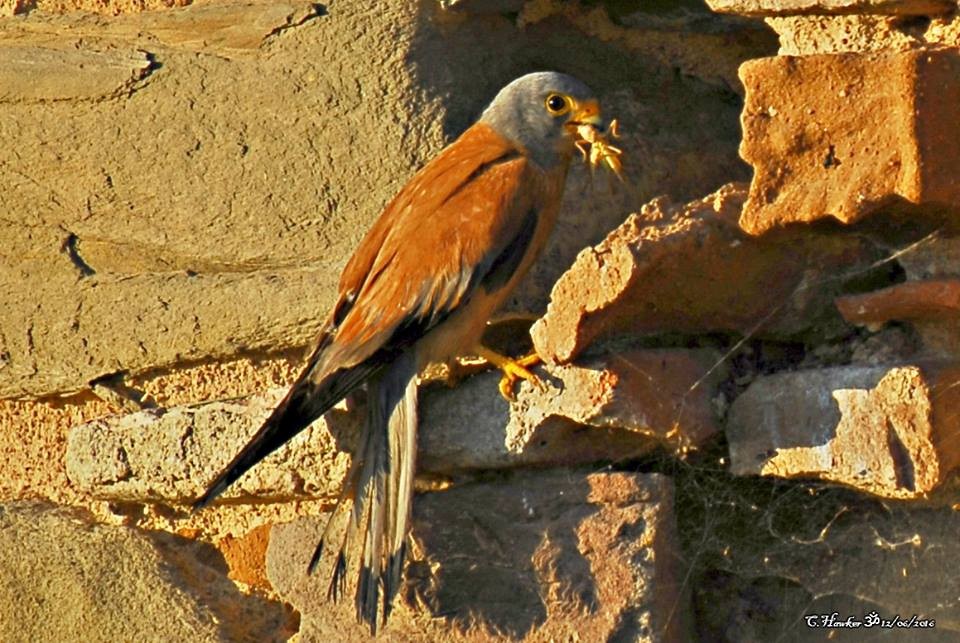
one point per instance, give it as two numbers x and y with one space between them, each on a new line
902 462
70 248
317 10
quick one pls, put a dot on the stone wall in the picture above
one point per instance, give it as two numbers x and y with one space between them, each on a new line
751 366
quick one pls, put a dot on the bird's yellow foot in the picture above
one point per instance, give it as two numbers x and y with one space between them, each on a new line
513 370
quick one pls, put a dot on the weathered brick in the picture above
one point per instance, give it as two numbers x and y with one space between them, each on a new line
931 306
890 431
169 456
811 133
609 408
690 269
921 300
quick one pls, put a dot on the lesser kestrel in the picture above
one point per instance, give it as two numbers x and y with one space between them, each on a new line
421 286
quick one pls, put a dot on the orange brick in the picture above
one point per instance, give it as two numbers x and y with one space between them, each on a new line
930 299
842 135
246 556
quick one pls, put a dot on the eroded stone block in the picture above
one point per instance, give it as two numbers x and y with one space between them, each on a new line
890 431
611 408
171 455
639 398
813 133
690 269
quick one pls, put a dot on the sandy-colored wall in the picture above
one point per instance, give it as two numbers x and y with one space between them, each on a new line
182 183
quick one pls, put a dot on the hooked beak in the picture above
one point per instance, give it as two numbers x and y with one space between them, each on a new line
586 113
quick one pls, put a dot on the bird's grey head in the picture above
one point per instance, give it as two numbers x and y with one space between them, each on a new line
540 113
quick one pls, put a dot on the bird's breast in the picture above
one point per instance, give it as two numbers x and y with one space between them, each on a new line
462 330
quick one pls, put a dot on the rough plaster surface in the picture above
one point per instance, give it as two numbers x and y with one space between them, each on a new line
67 578
145 229
106 7
201 207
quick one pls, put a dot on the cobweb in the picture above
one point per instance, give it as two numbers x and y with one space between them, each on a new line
767 558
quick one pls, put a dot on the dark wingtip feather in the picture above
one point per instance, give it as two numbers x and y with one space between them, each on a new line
362 585
315 559
295 412
214 490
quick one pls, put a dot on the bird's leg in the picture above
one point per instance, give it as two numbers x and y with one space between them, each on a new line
513 369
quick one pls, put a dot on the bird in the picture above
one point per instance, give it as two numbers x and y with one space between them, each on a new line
420 288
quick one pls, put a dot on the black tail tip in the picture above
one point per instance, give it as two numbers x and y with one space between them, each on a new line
368 602
209 495
338 580
201 503
315 559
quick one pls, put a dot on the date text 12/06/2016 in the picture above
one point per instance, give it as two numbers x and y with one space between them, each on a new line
871 620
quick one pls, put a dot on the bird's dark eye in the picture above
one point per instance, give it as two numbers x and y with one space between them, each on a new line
557 104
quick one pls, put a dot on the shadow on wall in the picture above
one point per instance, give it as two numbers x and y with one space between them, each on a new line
465 58
241 617
547 554
491 566
680 132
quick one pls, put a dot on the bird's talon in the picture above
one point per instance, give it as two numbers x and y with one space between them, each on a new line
506 389
513 370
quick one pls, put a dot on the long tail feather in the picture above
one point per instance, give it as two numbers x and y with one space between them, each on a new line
403 428
377 495
383 483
